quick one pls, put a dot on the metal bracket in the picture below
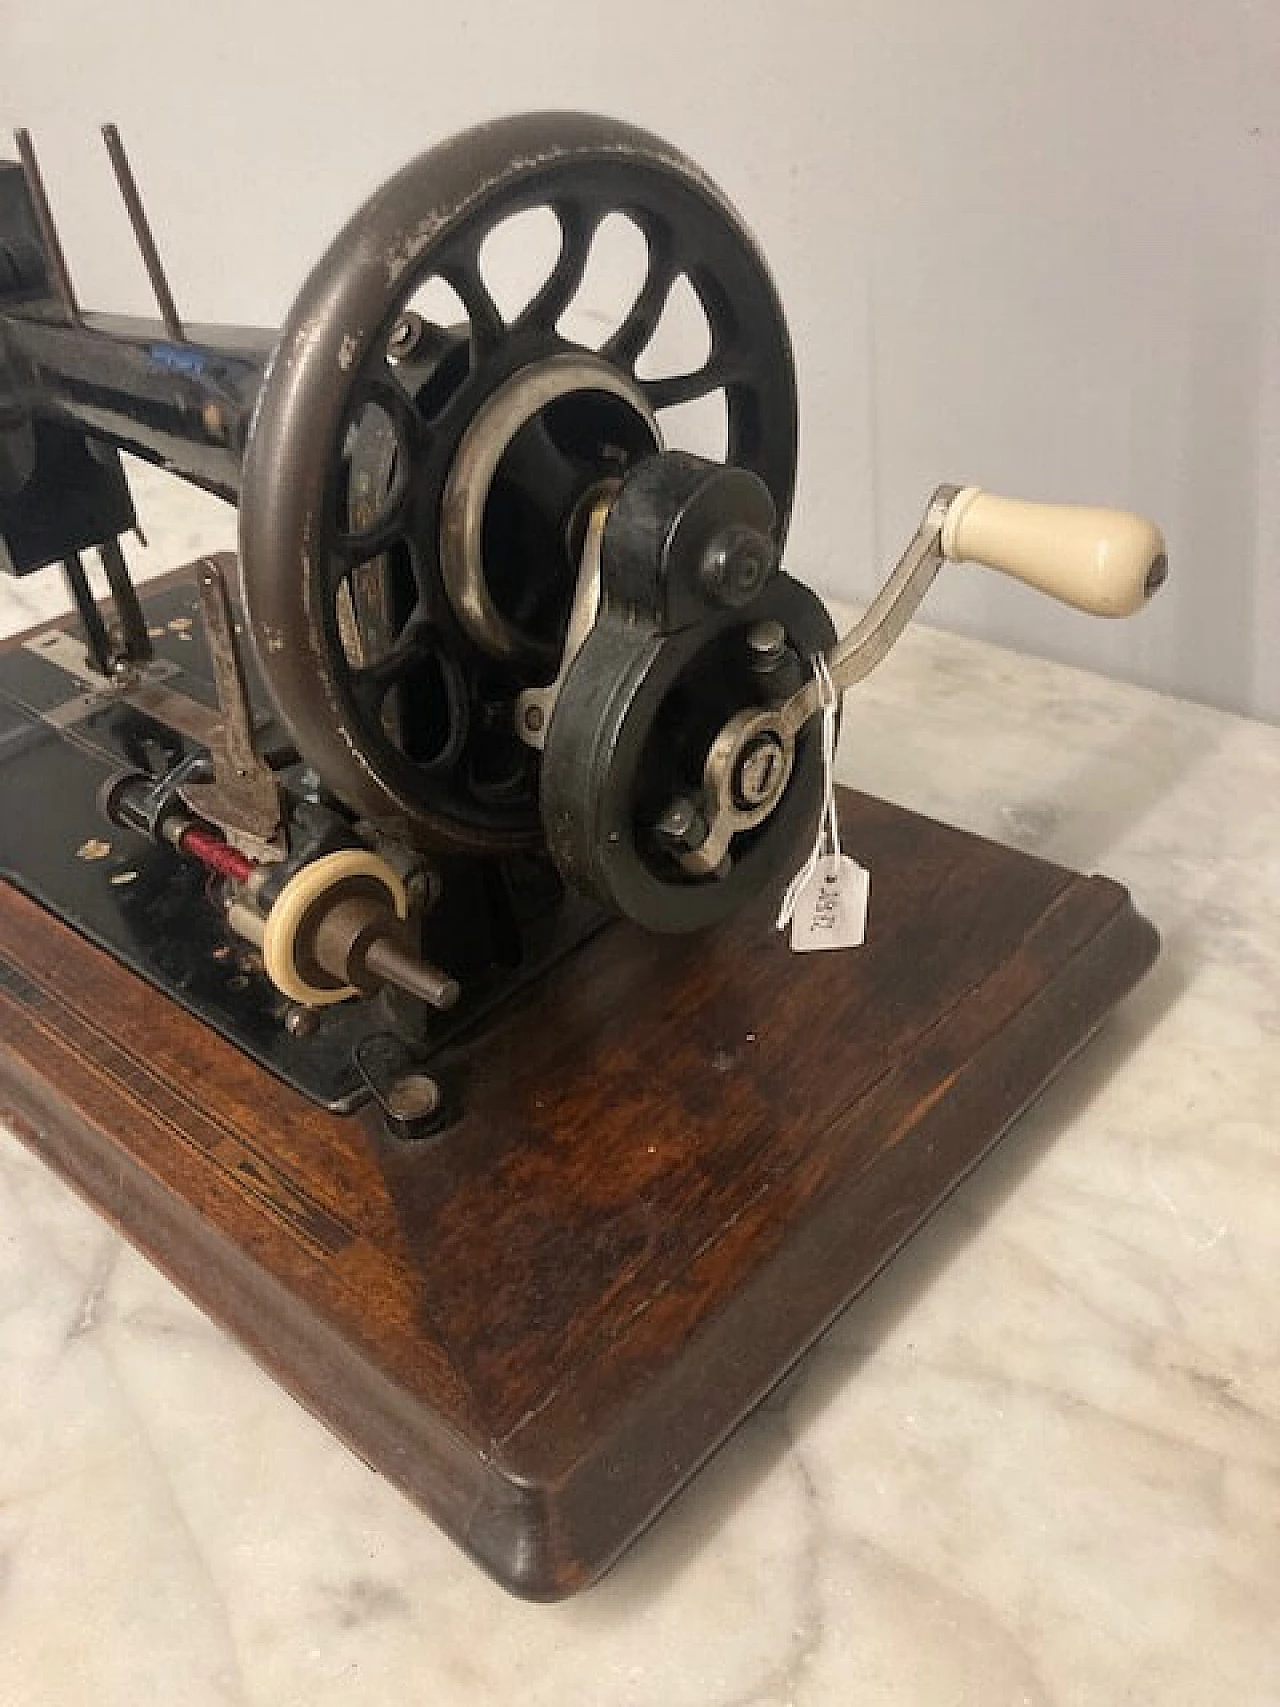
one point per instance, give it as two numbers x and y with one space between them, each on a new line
534 706
243 799
411 1101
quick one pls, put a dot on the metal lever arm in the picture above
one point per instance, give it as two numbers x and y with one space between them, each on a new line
243 799
1105 562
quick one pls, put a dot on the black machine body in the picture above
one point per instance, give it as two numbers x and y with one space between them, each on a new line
451 708
508 648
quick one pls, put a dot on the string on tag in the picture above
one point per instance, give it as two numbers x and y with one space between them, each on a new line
826 843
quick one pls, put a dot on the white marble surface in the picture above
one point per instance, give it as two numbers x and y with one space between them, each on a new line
1038 1462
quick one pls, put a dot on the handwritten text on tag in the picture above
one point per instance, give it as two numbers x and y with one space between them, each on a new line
831 906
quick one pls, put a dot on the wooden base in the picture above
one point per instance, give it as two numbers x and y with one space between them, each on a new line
677 1161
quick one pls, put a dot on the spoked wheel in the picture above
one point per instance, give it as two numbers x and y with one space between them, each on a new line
416 485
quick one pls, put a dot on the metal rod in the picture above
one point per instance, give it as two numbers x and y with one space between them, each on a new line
54 257
95 630
142 234
133 625
387 960
246 923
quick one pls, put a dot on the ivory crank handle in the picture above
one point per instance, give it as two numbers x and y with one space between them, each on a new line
1106 562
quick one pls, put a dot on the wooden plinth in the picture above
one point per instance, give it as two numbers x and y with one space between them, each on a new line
677 1161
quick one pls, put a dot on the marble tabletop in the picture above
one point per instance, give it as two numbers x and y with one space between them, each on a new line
1038 1461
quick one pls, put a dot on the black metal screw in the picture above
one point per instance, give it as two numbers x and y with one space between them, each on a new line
682 826
766 646
736 564
301 1020
406 334
773 662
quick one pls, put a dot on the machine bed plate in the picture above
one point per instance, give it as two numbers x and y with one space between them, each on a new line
60 739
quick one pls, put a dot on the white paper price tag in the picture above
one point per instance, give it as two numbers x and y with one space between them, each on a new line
825 903
831 906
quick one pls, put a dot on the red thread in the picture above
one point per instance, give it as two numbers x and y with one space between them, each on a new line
218 855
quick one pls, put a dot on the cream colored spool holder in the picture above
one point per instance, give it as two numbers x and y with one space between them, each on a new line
307 889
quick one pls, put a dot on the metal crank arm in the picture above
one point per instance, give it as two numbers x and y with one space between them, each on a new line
535 705
1104 562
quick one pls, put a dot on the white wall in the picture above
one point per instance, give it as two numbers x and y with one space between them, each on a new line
1021 242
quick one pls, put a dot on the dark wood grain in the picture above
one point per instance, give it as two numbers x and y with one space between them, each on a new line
677 1161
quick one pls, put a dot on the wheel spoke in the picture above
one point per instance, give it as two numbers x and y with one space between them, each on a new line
642 319
360 545
387 696
688 387
369 687
577 229
371 683
385 391
488 328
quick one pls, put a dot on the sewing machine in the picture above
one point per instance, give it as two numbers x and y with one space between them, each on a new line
387 941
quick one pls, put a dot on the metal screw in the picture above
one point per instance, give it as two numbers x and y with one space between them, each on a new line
300 1020
405 336
683 825
424 887
533 718
414 1096
759 771
766 645
124 672
736 564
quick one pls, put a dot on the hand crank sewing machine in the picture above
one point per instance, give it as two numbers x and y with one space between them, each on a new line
301 962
